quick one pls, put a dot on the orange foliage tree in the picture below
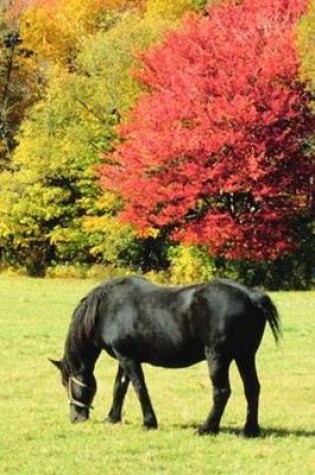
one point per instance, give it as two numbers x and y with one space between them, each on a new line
213 153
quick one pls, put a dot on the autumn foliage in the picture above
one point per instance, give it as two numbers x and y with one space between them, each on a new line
56 28
214 151
210 127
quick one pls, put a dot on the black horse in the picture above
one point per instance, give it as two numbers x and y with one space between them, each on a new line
136 322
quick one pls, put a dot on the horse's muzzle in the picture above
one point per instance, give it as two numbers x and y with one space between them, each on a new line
78 416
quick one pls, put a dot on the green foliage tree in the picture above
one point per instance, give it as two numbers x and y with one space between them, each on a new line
53 187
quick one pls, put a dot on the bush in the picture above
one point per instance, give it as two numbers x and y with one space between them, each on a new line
190 264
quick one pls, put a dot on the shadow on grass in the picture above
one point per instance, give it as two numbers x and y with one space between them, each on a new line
280 433
283 433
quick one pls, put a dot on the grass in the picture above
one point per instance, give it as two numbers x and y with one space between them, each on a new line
37 438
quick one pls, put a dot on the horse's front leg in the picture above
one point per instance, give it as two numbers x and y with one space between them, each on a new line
120 389
134 371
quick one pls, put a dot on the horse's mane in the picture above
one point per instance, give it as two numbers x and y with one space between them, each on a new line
84 319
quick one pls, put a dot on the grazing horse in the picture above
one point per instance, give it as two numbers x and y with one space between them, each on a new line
136 321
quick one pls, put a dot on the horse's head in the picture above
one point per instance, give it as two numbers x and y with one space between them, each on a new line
81 389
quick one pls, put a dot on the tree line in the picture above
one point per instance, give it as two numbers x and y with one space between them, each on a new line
175 138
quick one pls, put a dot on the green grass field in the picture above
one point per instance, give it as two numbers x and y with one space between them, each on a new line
37 438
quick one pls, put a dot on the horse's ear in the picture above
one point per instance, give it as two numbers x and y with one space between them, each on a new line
56 363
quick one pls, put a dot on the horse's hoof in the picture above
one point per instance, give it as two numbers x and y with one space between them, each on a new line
202 430
112 420
252 432
150 425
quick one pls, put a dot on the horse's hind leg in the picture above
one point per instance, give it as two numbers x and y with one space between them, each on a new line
120 389
247 368
219 374
134 371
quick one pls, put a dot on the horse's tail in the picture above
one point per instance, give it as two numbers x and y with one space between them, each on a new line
269 311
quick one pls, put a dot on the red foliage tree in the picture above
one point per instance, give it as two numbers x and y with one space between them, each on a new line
213 152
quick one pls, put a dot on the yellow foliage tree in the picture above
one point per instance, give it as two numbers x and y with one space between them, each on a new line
54 29
169 9
306 43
